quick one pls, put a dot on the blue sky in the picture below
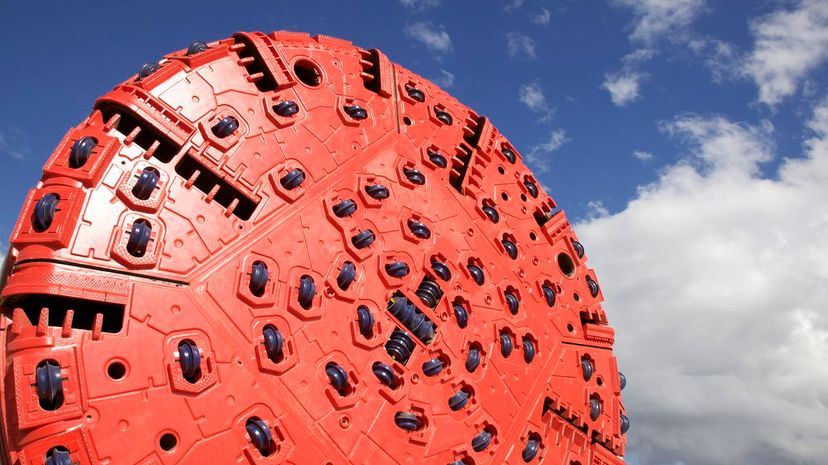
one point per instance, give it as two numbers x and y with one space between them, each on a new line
60 60
687 138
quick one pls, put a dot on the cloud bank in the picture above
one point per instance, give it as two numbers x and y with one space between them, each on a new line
715 277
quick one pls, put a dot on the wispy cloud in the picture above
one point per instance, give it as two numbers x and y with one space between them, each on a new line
420 5
538 154
638 56
596 210
643 155
531 95
543 18
14 143
653 21
434 37
444 80
656 19
722 59
513 5
520 46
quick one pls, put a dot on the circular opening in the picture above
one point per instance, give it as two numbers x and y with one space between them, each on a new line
407 121
576 297
523 197
168 442
570 328
501 170
116 370
532 236
308 73
504 196
566 264
599 381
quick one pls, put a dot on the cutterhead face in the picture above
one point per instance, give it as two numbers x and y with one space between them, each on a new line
288 249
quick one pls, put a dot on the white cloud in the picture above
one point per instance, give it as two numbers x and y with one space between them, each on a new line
723 146
721 58
596 209
519 45
14 143
623 86
444 80
420 4
789 43
543 18
531 95
655 19
642 155
638 56
434 37
538 154
714 278
513 5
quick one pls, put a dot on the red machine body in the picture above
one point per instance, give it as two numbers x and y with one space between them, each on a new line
287 249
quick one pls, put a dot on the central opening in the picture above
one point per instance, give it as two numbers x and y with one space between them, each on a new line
308 73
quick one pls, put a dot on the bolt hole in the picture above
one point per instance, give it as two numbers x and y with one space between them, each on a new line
599 381
570 327
116 370
168 442
501 170
407 121
504 196
576 297
523 197
533 236
566 264
308 73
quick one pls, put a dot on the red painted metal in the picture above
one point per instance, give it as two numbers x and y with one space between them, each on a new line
118 314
